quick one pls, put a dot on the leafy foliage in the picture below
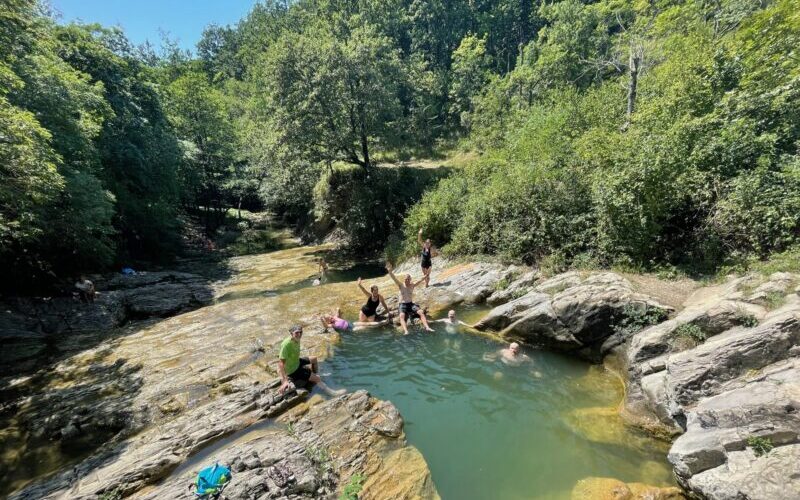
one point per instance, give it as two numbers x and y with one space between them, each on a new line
690 332
760 445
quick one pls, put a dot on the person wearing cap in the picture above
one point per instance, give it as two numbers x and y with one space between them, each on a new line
292 367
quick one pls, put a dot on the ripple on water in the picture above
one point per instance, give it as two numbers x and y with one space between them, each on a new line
489 430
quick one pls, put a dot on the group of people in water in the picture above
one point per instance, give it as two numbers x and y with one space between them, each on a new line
294 368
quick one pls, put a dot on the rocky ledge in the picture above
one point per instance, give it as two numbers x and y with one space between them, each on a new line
724 373
314 450
31 326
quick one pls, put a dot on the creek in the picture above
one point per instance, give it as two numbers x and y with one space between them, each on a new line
487 430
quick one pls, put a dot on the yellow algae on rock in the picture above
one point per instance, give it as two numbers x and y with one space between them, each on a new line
603 488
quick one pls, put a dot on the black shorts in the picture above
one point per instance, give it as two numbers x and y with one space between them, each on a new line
409 309
369 312
303 371
426 265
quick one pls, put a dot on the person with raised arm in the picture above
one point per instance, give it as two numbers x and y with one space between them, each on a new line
428 252
369 311
408 309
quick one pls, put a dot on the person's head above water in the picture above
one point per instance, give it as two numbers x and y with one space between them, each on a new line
451 315
296 331
514 348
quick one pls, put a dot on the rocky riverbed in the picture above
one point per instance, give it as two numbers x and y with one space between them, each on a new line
126 412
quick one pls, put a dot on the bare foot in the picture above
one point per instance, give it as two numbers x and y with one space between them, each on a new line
429 329
338 392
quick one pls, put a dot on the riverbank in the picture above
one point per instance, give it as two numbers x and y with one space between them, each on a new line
203 375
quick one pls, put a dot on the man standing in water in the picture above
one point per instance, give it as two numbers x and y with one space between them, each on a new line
407 306
292 366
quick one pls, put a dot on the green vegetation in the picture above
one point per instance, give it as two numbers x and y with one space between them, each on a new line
691 333
649 135
774 300
638 135
353 487
637 317
759 445
745 319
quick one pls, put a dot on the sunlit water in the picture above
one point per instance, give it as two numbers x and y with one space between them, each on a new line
488 430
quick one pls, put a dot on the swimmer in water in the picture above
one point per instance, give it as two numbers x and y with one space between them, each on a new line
451 320
510 355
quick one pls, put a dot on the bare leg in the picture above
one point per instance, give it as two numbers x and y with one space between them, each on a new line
318 381
424 321
403 323
363 317
314 364
427 277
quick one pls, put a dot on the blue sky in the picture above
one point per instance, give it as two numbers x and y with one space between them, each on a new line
142 19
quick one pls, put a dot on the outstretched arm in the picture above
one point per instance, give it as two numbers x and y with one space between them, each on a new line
419 237
421 281
383 303
362 288
391 274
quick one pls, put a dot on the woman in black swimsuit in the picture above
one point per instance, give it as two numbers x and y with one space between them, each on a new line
374 299
428 253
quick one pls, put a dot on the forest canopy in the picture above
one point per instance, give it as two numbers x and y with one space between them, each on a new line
635 132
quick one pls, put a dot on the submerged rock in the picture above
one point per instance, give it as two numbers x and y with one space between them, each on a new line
603 488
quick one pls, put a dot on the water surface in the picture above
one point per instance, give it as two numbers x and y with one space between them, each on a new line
488 430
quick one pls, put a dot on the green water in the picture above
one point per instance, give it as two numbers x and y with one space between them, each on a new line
488 430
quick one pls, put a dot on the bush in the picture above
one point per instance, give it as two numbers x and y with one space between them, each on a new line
690 332
760 445
761 210
369 206
353 487
635 318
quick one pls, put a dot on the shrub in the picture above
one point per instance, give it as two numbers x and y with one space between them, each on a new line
761 210
353 487
690 332
745 319
635 318
760 445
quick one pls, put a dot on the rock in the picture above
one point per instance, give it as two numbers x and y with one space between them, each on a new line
568 312
516 288
601 488
741 383
295 463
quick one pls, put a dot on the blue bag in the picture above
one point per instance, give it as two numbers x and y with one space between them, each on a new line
212 480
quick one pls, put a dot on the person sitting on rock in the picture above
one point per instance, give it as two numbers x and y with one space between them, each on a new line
408 309
369 311
86 290
299 370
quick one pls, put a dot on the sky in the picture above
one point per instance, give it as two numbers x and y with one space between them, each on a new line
142 19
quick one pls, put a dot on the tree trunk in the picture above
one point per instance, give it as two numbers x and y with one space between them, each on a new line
633 68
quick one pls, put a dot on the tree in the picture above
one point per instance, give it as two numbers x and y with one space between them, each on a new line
469 75
333 99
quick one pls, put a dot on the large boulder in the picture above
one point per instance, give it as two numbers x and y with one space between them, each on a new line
572 313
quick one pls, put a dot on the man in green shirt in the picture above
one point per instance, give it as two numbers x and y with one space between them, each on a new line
292 366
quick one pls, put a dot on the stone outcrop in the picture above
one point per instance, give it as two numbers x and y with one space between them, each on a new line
324 445
31 326
570 312
730 397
